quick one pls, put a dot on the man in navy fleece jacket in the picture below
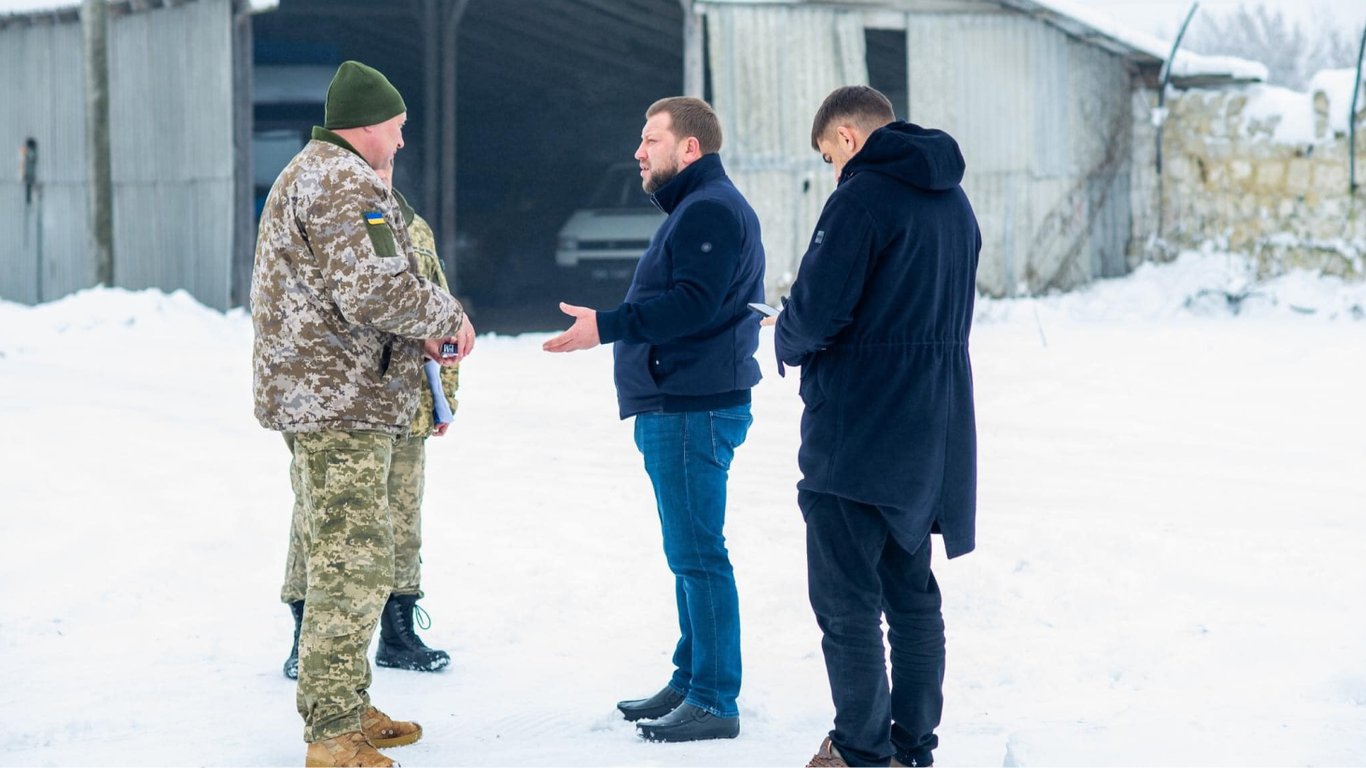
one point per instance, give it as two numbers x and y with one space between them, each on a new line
685 344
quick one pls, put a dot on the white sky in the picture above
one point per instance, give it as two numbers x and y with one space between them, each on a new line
1164 17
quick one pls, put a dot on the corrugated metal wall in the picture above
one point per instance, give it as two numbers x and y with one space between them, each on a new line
1045 124
171 147
41 93
771 68
171 109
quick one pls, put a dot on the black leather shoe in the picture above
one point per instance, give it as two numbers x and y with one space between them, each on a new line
658 705
689 723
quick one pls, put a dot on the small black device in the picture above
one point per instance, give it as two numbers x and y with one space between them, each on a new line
448 349
763 309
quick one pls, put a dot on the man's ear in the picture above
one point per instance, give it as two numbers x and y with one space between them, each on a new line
692 149
847 137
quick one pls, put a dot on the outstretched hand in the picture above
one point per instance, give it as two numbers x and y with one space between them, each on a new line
583 334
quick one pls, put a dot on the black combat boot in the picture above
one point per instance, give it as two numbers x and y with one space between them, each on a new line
292 663
399 645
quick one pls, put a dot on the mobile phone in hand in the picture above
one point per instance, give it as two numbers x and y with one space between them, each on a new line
763 309
449 349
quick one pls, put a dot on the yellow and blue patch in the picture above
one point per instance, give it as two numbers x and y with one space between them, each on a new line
373 217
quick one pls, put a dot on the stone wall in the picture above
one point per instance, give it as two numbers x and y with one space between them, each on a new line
1256 170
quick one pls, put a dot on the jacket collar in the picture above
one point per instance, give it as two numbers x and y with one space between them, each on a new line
403 206
322 134
706 169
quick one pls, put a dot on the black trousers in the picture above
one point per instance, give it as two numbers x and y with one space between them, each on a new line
856 575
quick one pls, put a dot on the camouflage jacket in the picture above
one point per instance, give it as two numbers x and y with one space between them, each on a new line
338 307
429 266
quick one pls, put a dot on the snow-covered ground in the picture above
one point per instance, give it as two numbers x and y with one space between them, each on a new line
1170 571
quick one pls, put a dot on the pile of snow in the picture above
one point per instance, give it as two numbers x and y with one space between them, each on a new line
1290 117
1197 284
1287 116
1336 87
1171 514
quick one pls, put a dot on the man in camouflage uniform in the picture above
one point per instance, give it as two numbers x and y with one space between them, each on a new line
340 316
399 645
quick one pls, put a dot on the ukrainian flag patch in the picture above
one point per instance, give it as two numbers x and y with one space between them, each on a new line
373 217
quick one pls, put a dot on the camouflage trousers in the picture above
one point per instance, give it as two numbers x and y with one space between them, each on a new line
341 480
407 475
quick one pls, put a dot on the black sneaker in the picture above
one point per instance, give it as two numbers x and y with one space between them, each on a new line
658 705
689 723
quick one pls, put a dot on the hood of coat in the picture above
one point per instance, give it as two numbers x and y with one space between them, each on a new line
924 158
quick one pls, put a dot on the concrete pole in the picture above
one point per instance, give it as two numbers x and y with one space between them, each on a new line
95 27
244 188
694 68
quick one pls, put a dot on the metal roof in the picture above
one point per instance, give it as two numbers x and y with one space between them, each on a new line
30 12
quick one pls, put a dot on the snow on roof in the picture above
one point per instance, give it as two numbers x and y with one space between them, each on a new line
1191 65
1067 14
20 7
30 6
1336 85
1071 16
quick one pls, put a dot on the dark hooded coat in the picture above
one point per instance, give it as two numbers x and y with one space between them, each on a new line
878 319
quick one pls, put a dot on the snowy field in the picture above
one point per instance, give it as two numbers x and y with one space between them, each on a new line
1169 572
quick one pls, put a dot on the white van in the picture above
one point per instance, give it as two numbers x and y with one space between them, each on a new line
606 238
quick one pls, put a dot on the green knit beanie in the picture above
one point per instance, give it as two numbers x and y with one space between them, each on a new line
360 95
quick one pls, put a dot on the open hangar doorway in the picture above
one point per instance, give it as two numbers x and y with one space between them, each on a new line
549 95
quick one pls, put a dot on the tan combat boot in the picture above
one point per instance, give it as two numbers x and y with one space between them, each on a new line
348 749
384 731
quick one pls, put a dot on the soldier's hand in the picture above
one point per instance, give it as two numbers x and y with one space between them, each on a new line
432 349
440 429
583 334
464 338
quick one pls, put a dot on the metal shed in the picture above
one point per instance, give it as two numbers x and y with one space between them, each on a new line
1041 103
177 215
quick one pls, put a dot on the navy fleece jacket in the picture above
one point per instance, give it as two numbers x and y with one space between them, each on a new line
685 339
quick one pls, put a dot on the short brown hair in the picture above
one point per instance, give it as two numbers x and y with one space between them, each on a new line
858 105
691 117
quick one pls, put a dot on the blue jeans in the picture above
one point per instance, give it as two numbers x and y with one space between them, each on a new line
857 573
687 456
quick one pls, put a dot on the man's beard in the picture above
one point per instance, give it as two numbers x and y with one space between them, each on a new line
658 178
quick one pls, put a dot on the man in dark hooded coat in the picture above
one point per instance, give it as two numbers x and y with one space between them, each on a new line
878 320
